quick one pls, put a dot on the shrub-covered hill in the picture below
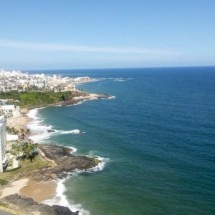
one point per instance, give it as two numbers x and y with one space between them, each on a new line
31 99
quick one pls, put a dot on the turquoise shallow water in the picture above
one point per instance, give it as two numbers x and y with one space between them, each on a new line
158 134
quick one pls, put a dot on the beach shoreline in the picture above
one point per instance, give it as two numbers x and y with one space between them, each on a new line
14 187
39 191
43 189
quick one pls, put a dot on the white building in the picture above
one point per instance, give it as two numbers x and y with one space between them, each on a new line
10 110
3 158
3 101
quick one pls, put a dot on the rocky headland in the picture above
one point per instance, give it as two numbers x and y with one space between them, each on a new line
60 163
52 163
63 162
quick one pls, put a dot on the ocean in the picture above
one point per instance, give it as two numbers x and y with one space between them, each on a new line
155 137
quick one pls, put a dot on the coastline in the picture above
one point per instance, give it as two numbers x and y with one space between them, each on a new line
46 190
39 191
14 187
18 122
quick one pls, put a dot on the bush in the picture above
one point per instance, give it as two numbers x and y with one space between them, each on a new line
30 99
3 182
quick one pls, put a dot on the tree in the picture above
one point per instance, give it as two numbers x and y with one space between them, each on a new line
29 150
25 150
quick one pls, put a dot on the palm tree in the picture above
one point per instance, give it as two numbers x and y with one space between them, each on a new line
24 150
29 150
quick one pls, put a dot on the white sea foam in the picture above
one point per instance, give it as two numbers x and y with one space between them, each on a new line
82 101
33 113
39 134
119 79
74 131
100 166
60 199
73 149
78 103
112 97
115 79
39 131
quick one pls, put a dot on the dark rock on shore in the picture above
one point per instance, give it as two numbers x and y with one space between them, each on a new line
51 130
30 207
73 101
64 162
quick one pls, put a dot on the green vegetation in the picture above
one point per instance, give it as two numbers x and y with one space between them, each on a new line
32 99
27 169
11 130
24 133
25 150
3 182
4 205
7 209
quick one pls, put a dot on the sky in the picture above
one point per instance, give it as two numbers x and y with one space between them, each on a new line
78 34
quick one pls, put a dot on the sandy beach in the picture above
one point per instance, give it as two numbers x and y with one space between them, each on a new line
14 187
42 186
18 122
39 191
21 121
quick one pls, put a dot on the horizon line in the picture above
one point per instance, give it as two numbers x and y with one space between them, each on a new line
109 68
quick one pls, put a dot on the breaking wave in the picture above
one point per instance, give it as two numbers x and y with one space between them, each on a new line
74 131
60 197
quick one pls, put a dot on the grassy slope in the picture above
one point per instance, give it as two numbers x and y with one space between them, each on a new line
27 169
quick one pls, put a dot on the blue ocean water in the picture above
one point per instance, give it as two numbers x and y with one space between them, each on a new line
157 135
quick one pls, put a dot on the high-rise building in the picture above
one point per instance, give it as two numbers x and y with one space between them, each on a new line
3 158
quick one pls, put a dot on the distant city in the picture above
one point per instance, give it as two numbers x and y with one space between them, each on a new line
20 81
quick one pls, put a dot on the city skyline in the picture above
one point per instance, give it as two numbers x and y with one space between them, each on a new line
107 34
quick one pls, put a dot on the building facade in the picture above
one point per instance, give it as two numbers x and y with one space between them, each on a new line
10 110
3 158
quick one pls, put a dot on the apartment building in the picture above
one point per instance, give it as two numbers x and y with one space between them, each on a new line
3 158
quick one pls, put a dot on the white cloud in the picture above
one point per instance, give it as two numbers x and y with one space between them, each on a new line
79 48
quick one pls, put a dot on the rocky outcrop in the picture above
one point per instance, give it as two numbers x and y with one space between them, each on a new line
86 97
59 164
30 207
65 162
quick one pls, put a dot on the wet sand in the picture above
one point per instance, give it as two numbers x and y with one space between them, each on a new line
39 191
